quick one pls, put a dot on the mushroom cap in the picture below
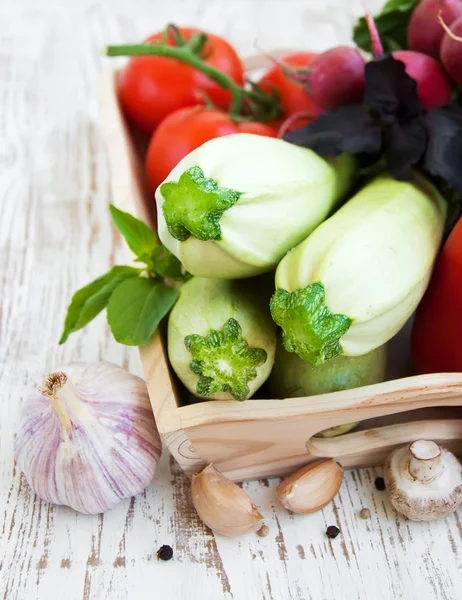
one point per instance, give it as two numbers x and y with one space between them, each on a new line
423 501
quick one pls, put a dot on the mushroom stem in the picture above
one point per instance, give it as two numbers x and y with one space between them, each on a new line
425 462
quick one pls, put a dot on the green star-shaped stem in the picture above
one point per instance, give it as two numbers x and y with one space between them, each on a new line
194 204
309 328
224 361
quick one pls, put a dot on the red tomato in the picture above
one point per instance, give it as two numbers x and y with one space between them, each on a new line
437 331
187 129
292 96
151 87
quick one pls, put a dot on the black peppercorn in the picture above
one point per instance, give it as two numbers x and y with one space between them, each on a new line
380 484
332 532
165 553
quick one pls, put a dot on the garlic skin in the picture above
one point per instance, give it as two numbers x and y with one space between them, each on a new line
88 438
311 488
223 505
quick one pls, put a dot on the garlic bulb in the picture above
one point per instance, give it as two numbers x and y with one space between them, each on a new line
223 505
311 488
88 438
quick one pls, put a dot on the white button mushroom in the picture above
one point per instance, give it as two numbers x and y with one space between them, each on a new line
424 481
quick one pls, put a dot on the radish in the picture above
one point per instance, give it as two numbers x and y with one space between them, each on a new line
336 78
451 51
424 31
433 86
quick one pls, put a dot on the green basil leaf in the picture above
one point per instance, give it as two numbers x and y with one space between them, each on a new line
90 300
136 308
166 264
141 239
392 23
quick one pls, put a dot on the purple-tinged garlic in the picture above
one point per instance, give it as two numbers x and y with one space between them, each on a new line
87 438
424 481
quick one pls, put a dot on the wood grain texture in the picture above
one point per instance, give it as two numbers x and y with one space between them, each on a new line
55 236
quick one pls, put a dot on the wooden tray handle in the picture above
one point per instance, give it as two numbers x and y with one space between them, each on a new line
380 400
381 438
371 446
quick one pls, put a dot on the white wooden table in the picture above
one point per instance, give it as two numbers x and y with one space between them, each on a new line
54 237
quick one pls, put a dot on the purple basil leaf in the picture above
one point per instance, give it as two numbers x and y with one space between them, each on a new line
405 144
390 91
444 150
347 129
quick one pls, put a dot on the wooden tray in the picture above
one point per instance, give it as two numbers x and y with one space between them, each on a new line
266 438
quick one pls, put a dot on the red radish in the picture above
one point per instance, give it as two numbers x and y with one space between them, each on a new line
451 51
424 32
433 86
336 78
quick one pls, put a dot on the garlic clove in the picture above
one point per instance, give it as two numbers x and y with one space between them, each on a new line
223 505
88 438
311 488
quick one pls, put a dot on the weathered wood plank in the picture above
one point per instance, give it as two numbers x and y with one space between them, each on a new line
54 236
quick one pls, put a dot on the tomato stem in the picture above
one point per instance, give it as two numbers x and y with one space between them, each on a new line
236 105
208 102
179 39
196 43
189 54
